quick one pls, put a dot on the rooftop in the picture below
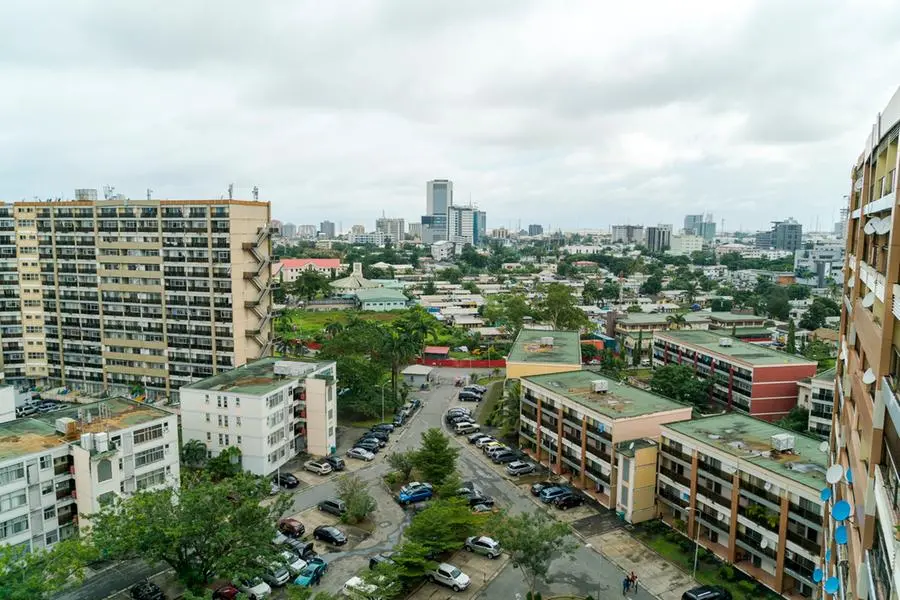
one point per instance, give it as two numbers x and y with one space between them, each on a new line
734 317
527 348
651 318
257 378
750 439
380 295
27 436
739 351
827 375
629 447
620 402
322 263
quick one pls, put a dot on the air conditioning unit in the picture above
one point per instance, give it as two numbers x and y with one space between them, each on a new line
783 442
547 340
600 386
725 341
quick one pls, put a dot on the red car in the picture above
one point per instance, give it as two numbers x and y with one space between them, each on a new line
291 528
226 592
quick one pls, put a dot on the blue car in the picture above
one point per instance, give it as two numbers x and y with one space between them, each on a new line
548 495
415 492
312 573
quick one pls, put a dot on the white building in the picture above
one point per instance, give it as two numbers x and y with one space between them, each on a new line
465 225
58 466
376 238
393 229
685 245
824 262
7 403
270 409
442 250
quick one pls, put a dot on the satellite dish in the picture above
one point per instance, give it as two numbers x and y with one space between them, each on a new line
828 556
825 494
831 585
840 535
817 575
869 229
823 447
841 510
834 474
764 543
851 282
631 446
768 486
849 476
883 226
721 516
868 377
868 300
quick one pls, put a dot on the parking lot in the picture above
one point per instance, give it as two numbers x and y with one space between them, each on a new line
313 517
480 570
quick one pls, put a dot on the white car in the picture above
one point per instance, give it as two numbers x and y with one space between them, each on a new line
357 588
292 562
519 467
485 441
255 588
320 467
360 453
452 577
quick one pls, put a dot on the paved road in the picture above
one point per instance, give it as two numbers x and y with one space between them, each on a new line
111 578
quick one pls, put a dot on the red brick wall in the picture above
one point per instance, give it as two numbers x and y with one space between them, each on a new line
775 389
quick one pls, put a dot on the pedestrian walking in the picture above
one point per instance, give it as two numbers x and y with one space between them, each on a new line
626 583
633 584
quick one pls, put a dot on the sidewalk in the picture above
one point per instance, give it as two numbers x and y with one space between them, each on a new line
655 574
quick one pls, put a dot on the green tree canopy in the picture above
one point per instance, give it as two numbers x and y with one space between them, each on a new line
436 457
558 307
355 494
444 525
679 383
39 574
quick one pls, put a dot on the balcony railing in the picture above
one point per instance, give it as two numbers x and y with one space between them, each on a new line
675 476
807 544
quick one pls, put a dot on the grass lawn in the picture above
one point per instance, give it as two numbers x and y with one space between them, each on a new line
491 398
311 322
364 424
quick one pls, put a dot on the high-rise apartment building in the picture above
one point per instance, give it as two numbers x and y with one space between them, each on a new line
465 225
393 229
535 230
133 296
784 235
628 234
326 228
288 230
438 199
415 230
659 238
865 438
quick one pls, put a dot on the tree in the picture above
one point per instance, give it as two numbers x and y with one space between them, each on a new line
436 457
638 349
385 580
355 494
403 463
676 321
516 308
634 308
202 530
777 304
533 540
399 347
652 286
453 275
796 420
310 284
559 308
590 295
818 312
818 351
413 562
612 364
444 525
193 454
332 328
796 291
690 292
791 338
41 573
226 464
610 291
429 289
679 383
721 305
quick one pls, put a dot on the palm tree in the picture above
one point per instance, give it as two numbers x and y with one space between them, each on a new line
193 454
332 328
690 291
676 321
399 347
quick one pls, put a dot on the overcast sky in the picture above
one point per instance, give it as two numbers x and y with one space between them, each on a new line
570 114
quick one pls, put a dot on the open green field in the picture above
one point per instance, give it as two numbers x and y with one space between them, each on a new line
308 323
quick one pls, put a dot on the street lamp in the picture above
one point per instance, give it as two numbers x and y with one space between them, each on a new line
696 540
382 399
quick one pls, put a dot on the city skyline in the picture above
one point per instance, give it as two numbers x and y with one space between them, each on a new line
685 114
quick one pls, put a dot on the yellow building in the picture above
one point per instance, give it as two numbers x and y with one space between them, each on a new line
540 352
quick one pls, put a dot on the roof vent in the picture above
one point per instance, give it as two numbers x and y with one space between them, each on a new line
783 442
600 386
725 342
547 340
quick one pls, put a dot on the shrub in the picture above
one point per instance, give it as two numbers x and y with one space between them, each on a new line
748 588
393 479
679 525
726 572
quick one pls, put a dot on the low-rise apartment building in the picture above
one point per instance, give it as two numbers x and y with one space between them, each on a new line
749 491
746 377
635 330
270 409
816 395
572 422
289 269
56 468
540 351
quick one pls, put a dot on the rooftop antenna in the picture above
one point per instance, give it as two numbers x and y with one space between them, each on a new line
108 192
231 191
149 193
255 192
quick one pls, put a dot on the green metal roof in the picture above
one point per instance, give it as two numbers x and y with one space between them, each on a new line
380 295
827 375
739 351
620 402
662 318
257 378
750 439
527 348
733 317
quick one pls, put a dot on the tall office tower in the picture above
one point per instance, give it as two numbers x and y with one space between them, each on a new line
702 225
840 228
465 225
784 235
438 199
134 297
692 224
865 439
535 229
326 228
415 230
393 229
659 238
628 234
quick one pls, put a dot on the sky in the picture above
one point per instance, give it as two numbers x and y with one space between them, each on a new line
575 114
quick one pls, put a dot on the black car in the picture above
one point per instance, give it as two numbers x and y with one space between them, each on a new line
302 549
379 435
333 506
461 419
537 487
707 592
399 420
330 535
476 436
146 590
288 480
415 403
337 463
386 427
370 444
469 397
568 501
479 499
381 559
508 456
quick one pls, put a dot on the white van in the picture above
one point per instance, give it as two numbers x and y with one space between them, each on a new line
463 428
359 590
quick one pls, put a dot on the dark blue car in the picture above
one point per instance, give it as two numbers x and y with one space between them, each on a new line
415 492
548 495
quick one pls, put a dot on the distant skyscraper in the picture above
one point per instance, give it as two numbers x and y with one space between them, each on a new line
692 224
784 235
289 230
465 225
358 229
438 199
628 234
307 232
702 225
535 230
326 228
659 238
394 229
415 230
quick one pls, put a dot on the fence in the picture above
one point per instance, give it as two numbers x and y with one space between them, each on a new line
459 363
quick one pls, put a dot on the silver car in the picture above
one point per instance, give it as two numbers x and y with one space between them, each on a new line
484 545
360 453
319 467
519 467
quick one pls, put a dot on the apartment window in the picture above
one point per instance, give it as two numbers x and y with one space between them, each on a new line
623 496
225 420
49 512
12 473
13 527
330 414
221 439
239 440
151 479
626 469
149 433
220 420
14 500
219 401
207 417
104 470
46 462
207 398
237 421
147 457
52 537
208 436
227 441
237 402
224 401
46 488
330 431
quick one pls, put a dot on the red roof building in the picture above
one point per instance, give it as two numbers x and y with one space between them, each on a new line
290 268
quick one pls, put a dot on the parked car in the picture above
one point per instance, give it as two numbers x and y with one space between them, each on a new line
482 442
519 467
381 436
287 480
226 592
356 587
369 444
333 506
337 463
482 508
707 592
537 487
381 558
481 499
452 577
312 574
469 397
506 456
291 528
416 403
468 492
473 438
495 450
456 420
477 388
302 549
330 534
292 562
361 453
146 590
276 575
484 545
415 492
369 437
567 501
490 446
388 427
548 495
399 420
454 413
255 588
464 427
319 467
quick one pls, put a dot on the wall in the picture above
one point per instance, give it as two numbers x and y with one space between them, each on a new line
7 403
647 426
519 370
499 363
320 429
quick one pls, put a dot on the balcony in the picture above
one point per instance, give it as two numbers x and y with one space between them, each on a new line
675 476
807 544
